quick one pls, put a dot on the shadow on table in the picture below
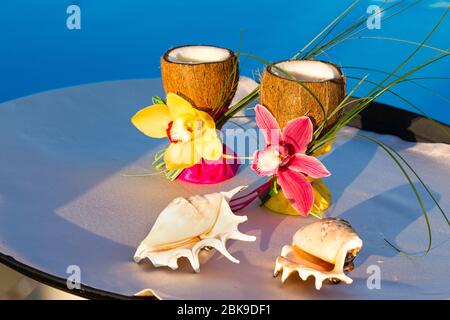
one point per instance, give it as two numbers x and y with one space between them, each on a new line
385 216
357 290
346 162
346 167
55 155
49 164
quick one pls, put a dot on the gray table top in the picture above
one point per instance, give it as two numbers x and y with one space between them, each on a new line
64 200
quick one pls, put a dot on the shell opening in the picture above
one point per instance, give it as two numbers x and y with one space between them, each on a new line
198 54
316 262
305 70
349 260
324 249
311 261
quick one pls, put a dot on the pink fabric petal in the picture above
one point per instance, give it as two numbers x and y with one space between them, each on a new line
266 162
298 133
297 189
308 165
268 125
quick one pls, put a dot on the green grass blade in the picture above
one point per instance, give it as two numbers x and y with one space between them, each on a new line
229 78
422 183
353 112
414 189
341 106
339 38
418 47
252 96
313 95
411 104
346 36
329 27
403 41
411 80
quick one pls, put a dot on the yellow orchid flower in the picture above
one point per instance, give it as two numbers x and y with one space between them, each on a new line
192 133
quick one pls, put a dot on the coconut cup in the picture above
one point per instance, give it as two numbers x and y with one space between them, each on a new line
288 99
287 90
207 76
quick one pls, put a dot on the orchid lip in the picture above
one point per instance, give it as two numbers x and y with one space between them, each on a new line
179 132
267 161
169 133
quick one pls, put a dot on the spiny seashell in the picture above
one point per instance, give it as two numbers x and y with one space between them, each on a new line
323 249
186 226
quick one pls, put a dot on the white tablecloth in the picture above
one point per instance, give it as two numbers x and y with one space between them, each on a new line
64 200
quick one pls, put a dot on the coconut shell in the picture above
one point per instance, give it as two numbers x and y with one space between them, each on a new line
207 86
287 99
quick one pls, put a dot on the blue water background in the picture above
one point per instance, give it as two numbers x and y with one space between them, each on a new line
124 39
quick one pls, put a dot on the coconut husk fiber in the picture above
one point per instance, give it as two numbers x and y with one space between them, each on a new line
287 99
209 86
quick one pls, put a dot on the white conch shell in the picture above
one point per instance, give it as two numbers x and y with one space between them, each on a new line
323 249
186 226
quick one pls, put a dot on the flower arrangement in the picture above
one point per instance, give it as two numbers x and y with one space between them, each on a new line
191 132
303 106
285 161
200 82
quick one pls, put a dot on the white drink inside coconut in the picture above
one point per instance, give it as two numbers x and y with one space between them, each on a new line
287 99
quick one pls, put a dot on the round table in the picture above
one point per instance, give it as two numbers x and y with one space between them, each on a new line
68 205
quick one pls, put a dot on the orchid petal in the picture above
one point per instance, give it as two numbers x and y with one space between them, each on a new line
179 106
182 155
207 120
213 150
152 121
298 133
308 165
268 125
297 189
212 146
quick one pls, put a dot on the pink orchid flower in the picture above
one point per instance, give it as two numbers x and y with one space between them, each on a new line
284 157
